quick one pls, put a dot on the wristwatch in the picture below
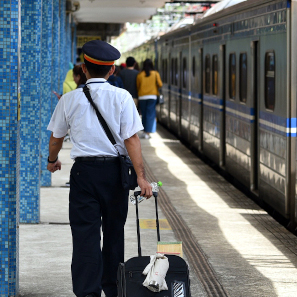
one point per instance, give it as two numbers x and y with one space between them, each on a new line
48 160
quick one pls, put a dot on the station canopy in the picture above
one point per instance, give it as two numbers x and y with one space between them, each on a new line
116 11
222 5
105 19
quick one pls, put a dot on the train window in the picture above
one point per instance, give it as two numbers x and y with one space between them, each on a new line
193 66
184 72
207 74
232 76
215 74
162 73
243 77
172 71
165 72
175 72
270 80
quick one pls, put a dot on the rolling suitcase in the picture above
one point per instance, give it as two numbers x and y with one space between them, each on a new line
130 277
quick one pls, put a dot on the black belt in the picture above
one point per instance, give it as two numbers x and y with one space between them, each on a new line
96 159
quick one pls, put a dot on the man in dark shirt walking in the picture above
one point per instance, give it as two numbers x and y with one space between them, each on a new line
128 76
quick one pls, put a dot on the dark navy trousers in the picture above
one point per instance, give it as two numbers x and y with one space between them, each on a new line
97 198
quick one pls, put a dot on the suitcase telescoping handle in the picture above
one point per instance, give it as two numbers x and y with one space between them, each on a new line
155 194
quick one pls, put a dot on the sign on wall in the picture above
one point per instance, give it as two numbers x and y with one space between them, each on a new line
81 40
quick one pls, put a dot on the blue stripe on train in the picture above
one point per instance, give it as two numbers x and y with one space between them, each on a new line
213 102
241 112
277 124
292 124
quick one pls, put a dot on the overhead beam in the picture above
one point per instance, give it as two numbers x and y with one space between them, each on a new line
99 29
194 2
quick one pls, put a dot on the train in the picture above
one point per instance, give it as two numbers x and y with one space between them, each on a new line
229 85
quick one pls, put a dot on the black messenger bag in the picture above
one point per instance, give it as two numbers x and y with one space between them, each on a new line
128 174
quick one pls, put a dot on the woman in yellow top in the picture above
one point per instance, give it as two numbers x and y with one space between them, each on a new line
69 83
148 81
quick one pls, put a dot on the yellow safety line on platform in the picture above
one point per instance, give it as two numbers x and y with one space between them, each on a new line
151 224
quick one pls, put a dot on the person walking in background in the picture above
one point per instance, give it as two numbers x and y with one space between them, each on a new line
128 76
136 67
78 61
69 83
79 77
148 82
115 79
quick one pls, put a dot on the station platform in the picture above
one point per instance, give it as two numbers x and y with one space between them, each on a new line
232 246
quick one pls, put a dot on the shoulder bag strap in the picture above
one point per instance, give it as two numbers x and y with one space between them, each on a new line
100 117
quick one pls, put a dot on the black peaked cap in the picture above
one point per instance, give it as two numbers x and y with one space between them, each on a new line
101 50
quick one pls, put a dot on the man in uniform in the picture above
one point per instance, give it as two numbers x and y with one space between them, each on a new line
96 193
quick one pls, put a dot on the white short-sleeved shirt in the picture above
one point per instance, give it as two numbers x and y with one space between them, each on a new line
74 112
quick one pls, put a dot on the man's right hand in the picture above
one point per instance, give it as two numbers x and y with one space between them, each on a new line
146 188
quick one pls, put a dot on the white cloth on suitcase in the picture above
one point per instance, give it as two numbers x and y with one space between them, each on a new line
156 272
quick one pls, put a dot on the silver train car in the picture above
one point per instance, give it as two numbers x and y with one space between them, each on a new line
230 93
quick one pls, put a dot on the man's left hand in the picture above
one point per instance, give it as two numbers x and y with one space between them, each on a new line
52 167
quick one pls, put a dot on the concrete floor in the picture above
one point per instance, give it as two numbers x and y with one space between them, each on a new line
246 248
46 248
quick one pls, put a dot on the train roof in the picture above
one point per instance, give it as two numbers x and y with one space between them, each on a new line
222 5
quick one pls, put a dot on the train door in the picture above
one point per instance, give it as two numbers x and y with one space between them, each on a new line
170 79
174 95
222 85
201 70
165 90
159 66
194 107
255 118
185 96
179 102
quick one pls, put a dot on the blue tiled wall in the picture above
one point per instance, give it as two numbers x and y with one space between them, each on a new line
74 42
31 25
46 87
63 63
9 147
23 142
55 74
68 40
